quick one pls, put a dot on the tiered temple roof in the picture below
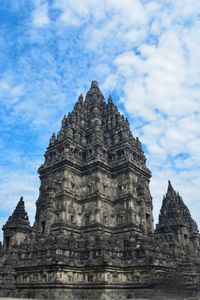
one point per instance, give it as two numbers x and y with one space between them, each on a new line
174 212
94 130
19 219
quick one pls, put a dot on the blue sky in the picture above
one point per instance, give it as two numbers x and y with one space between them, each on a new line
145 53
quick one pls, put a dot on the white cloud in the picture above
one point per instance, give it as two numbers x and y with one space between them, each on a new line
129 12
40 14
3 86
75 12
111 82
10 94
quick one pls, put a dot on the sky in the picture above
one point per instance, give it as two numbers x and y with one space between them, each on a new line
145 53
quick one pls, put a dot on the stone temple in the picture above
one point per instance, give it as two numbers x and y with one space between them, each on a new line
93 235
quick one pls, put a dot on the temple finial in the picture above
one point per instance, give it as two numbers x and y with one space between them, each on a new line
52 139
20 204
138 143
94 84
80 98
110 100
170 187
94 94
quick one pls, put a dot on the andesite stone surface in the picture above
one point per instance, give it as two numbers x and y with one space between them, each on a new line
93 235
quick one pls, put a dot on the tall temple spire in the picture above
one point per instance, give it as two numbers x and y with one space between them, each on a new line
170 187
95 134
80 98
94 94
94 129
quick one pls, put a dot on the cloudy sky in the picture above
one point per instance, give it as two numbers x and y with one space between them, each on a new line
145 53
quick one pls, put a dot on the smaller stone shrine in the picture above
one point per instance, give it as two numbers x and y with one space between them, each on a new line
17 228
